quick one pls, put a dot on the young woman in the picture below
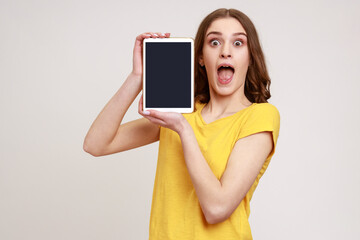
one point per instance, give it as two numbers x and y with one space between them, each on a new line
210 161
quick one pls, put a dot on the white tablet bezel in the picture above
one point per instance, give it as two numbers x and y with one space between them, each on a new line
172 40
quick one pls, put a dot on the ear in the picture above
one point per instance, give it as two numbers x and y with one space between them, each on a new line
201 61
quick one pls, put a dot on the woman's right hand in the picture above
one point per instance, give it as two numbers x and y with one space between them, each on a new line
137 54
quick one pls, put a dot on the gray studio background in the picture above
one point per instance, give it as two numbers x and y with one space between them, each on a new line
61 61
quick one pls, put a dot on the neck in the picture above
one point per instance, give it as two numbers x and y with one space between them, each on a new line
227 104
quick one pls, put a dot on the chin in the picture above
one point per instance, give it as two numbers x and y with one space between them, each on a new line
228 89
224 90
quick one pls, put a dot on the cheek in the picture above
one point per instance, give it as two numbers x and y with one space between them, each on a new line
244 62
208 55
207 58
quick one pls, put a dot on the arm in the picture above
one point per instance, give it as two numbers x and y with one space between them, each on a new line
107 135
218 198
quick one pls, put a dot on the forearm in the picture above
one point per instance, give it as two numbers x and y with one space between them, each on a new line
105 126
208 188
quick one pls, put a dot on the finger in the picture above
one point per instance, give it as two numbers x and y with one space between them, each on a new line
157 34
154 35
161 35
141 112
153 116
142 36
157 114
140 108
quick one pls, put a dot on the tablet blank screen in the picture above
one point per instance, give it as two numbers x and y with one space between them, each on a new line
168 75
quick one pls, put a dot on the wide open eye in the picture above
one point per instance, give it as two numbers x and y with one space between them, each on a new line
238 43
214 42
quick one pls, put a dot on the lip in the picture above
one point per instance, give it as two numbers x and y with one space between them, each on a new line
225 65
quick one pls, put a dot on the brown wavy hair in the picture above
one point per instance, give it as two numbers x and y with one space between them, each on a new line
257 82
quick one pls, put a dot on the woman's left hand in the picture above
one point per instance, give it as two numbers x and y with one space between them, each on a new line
172 120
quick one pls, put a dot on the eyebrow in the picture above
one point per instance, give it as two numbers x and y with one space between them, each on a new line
219 33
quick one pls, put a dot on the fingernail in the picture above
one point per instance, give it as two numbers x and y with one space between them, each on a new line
163 34
146 112
156 34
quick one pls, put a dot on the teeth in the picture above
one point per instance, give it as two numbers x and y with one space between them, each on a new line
225 66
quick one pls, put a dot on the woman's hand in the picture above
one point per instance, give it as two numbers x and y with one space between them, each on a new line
137 53
172 120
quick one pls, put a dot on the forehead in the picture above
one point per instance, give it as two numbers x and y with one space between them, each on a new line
226 25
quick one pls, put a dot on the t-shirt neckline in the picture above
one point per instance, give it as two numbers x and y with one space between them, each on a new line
220 119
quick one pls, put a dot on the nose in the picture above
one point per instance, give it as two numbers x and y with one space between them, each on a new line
225 51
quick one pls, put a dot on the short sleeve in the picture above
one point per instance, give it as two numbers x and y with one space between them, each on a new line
263 117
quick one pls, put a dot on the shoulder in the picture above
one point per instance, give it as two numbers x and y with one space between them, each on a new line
264 110
261 117
265 107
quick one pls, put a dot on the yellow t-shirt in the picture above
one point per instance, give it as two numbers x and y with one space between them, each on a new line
176 213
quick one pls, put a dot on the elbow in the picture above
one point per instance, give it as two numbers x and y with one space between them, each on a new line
216 214
91 150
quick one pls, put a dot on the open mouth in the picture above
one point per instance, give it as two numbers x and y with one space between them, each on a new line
225 73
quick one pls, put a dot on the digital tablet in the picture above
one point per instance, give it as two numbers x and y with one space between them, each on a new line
168 74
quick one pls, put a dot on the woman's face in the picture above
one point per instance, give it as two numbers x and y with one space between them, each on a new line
225 56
